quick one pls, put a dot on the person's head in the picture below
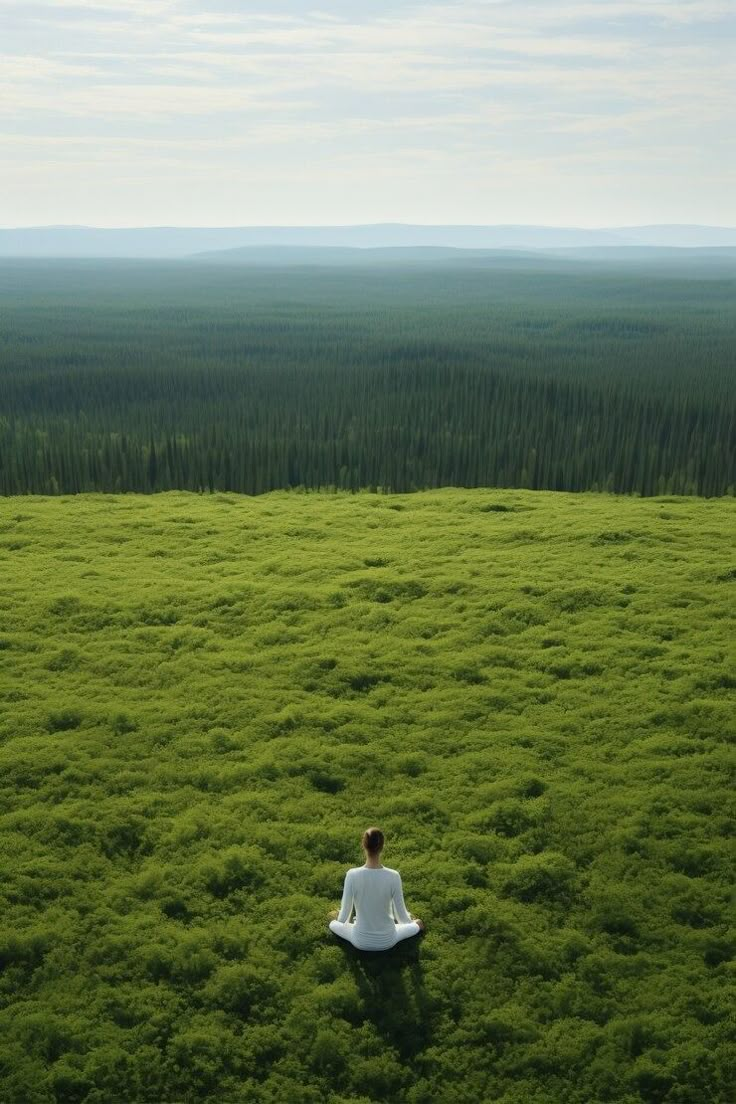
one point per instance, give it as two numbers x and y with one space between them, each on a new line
372 841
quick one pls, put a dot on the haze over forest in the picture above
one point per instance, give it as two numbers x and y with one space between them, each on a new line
169 241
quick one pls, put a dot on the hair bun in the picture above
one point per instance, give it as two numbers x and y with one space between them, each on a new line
373 840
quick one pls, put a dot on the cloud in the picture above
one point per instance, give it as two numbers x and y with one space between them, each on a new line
32 69
71 8
527 82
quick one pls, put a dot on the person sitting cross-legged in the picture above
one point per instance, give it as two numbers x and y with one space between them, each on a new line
375 891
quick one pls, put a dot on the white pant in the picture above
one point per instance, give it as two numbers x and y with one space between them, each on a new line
373 943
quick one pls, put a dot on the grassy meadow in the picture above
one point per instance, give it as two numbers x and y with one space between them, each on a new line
205 699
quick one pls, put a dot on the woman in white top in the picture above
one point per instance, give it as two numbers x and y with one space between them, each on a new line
381 918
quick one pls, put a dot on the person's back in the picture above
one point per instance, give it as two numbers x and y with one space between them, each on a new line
376 894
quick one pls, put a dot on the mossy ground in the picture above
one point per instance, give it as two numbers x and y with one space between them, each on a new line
205 699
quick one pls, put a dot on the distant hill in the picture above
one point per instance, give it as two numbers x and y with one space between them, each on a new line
172 242
426 256
352 255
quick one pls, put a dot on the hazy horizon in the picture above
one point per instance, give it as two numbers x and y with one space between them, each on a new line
392 242
532 225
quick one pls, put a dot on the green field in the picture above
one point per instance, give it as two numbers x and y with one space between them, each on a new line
204 699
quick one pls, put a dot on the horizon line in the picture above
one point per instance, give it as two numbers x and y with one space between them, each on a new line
355 225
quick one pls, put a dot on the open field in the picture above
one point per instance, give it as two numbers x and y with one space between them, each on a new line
205 699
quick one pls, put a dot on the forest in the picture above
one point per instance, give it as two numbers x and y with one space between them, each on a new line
521 373
204 701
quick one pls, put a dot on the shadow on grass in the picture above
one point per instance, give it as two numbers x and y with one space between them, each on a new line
391 988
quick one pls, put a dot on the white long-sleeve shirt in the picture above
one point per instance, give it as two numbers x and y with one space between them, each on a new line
377 895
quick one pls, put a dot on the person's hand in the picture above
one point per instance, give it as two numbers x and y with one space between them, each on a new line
332 914
419 922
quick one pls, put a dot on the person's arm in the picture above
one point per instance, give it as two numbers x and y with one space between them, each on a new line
397 900
346 906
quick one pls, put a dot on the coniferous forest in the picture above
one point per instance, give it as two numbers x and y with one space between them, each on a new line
510 372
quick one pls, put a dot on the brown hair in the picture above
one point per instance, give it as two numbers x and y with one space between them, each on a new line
372 840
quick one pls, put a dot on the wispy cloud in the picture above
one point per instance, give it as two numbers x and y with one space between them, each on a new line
473 88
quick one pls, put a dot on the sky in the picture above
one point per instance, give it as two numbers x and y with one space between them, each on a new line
551 112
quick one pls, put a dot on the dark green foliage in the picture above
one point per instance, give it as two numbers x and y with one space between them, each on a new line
65 660
64 719
126 376
122 724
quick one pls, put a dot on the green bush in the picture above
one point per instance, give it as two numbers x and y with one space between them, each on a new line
548 876
63 720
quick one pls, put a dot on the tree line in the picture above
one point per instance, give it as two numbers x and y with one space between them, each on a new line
263 389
